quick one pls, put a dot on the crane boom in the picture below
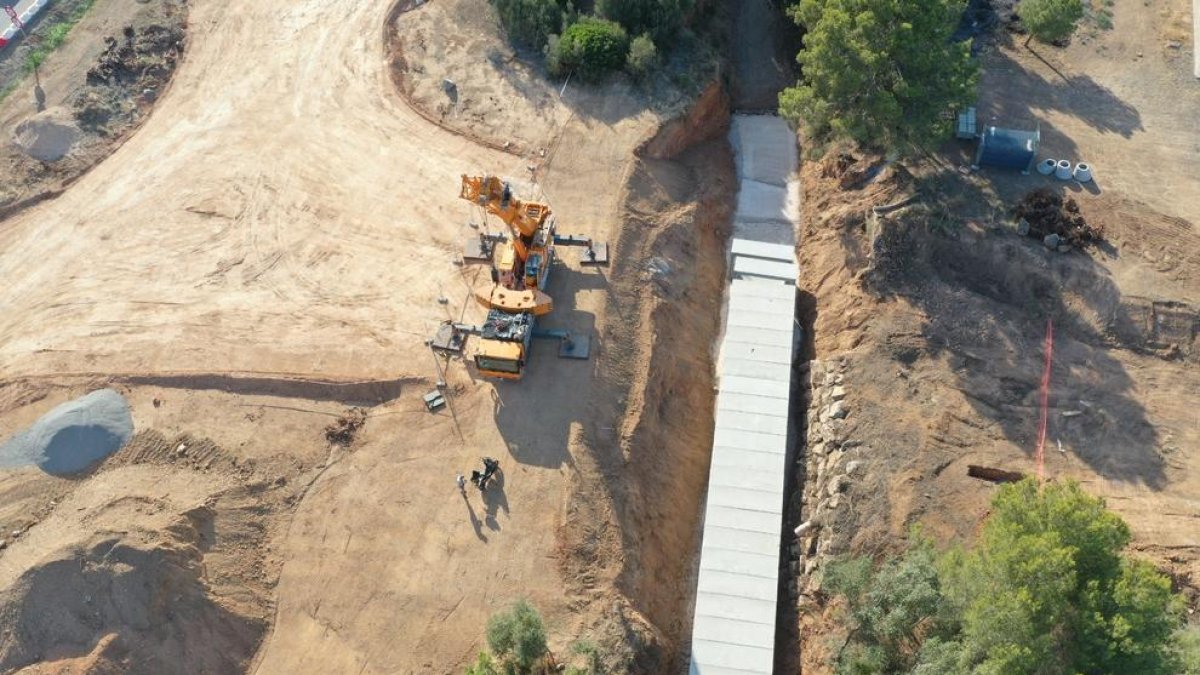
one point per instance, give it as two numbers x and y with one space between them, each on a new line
496 197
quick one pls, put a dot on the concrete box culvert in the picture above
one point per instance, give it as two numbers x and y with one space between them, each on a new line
1063 170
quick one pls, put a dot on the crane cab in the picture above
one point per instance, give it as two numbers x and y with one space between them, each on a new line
504 344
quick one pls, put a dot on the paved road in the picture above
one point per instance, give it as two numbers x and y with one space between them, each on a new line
20 6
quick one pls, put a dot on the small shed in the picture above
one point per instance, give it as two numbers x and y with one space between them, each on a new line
1008 148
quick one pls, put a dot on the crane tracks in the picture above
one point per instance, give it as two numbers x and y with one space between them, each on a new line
180 450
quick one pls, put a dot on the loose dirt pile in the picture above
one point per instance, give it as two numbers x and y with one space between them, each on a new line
1048 213
73 436
127 76
136 606
47 136
343 430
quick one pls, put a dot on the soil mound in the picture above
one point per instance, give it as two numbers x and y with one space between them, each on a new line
73 436
105 608
47 136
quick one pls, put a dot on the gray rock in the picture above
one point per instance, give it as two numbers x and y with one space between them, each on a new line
1064 248
837 410
837 485
851 467
1051 241
838 393
1023 227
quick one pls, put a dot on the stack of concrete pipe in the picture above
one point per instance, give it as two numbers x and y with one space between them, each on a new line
1061 169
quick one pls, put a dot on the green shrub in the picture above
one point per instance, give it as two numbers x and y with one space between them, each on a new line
1046 589
592 47
1050 20
642 55
484 665
517 637
530 22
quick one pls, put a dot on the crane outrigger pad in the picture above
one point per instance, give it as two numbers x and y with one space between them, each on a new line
596 255
593 253
449 339
477 251
575 347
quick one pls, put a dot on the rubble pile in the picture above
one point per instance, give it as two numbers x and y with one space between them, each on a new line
1044 214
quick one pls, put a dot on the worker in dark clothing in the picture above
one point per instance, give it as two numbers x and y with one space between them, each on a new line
490 467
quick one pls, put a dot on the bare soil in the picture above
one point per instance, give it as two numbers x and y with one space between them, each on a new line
939 310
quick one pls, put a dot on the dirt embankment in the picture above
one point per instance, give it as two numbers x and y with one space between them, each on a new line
88 97
633 516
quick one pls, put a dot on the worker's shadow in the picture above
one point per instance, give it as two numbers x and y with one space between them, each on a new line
476 524
494 499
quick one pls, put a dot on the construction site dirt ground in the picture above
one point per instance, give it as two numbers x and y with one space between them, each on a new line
273 247
940 310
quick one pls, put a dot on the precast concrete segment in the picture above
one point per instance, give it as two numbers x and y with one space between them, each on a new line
752 404
733 627
732 607
765 149
757 267
753 351
760 249
739 562
725 583
763 202
735 632
723 495
750 368
735 439
722 655
762 336
777 231
737 539
752 521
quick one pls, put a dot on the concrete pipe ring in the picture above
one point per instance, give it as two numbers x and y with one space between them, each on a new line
1083 172
1047 166
1063 170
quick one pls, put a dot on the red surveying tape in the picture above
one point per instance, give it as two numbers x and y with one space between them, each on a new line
1041 443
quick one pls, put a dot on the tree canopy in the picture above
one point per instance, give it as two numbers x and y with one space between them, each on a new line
1046 589
879 72
517 638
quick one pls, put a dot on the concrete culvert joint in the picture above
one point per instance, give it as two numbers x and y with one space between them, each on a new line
1063 170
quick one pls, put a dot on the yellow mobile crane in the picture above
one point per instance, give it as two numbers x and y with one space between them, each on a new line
521 262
